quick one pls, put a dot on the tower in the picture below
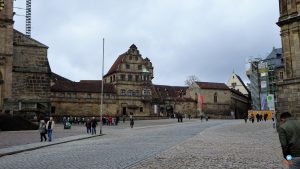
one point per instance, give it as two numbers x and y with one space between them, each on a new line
6 49
289 87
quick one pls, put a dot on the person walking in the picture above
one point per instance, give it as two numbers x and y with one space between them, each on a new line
246 118
265 117
252 118
43 130
110 120
289 136
257 117
88 126
50 127
117 120
131 122
94 124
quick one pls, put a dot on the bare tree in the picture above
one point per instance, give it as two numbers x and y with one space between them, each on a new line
191 79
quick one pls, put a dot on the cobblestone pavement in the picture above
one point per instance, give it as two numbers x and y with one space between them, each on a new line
235 145
14 138
121 148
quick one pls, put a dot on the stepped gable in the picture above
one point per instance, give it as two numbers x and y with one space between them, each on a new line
212 85
21 39
115 67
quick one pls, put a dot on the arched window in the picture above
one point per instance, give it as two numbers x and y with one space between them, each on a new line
215 98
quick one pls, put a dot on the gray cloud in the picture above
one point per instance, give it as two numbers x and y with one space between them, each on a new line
193 37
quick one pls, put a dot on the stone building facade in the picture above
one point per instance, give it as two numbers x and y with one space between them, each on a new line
132 77
24 69
128 89
217 100
81 98
29 87
289 87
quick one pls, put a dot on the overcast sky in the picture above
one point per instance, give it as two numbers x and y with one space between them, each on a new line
206 38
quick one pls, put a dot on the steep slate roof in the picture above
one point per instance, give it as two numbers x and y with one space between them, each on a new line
243 83
116 65
238 93
88 86
212 85
275 58
114 68
173 92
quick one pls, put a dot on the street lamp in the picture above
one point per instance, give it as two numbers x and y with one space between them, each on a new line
101 104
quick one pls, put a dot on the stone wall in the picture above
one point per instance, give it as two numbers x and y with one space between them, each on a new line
289 87
289 97
6 51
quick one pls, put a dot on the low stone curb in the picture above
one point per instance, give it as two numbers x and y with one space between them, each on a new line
34 146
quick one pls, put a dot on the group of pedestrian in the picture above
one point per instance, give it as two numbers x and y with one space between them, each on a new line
75 120
91 126
203 117
259 117
111 121
46 128
179 117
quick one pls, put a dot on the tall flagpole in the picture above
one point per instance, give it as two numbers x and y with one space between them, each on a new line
101 105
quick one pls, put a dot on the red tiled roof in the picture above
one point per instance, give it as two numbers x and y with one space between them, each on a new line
116 65
212 85
168 91
114 68
88 86
55 77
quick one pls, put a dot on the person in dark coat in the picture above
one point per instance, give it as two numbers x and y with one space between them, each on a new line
131 122
257 117
289 136
252 118
265 117
94 124
117 120
88 126
181 117
246 118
